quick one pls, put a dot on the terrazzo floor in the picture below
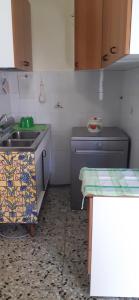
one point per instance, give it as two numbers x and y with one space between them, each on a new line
53 264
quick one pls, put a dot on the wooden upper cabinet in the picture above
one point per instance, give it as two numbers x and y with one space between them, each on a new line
88 34
15 35
116 30
28 35
102 32
21 20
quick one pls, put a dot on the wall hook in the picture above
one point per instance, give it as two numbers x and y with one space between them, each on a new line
58 105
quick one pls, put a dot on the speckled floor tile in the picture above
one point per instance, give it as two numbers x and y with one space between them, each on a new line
32 252
58 199
75 280
53 264
32 267
50 232
76 236
32 278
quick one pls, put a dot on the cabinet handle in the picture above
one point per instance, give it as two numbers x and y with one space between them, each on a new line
44 153
26 63
97 151
113 50
105 57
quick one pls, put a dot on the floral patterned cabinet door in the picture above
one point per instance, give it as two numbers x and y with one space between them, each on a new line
18 197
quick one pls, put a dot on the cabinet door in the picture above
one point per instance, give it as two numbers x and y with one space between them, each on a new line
88 34
27 36
22 34
116 30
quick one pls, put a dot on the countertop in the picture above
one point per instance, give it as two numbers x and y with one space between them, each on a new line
107 133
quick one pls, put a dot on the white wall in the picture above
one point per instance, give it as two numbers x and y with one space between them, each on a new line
6 35
52 34
53 48
5 105
134 45
78 93
130 112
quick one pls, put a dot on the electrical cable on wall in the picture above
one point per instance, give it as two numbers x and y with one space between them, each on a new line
42 95
101 85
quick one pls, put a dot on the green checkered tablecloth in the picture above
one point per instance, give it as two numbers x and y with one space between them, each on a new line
110 182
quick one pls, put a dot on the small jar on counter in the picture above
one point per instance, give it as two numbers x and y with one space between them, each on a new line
94 124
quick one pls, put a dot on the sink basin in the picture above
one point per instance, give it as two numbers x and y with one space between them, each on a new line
16 144
22 141
24 135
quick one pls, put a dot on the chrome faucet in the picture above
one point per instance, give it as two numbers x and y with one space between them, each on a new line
3 119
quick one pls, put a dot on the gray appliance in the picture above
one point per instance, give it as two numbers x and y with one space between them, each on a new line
106 149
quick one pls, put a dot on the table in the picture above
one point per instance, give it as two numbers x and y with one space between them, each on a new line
113 249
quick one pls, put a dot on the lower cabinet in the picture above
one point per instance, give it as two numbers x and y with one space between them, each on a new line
113 247
24 177
94 154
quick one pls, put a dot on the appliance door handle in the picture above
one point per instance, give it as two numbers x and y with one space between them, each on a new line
44 154
96 151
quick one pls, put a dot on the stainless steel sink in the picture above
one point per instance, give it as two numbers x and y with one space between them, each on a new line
22 141
24 135
16 143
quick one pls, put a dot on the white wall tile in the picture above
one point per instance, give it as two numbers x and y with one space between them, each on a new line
5 105
129 112
13 83
78 93
60 167
26 85
15 105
